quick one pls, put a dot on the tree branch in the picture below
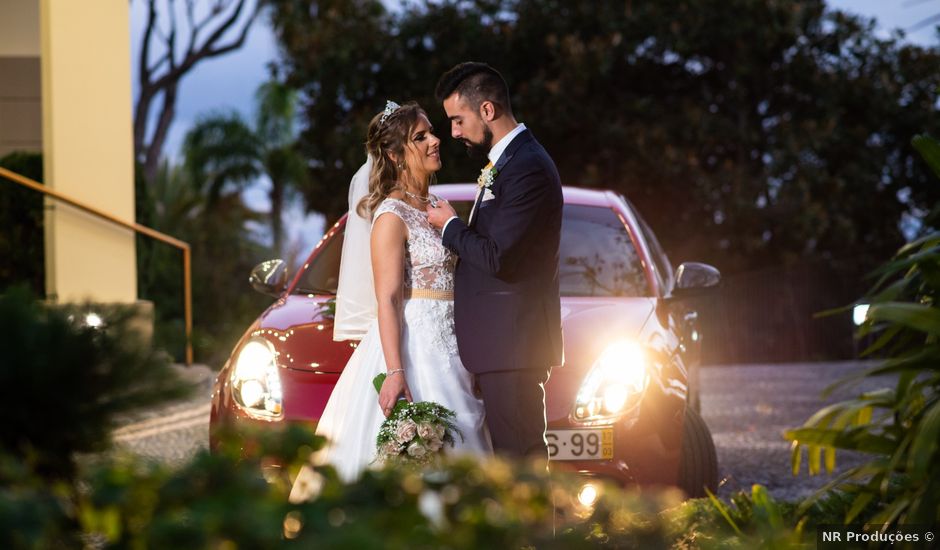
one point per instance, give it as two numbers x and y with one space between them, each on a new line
206 20
171 42
924 22
206 50
145 49
224 27
160 62
194 27
167 113
148 148
233 46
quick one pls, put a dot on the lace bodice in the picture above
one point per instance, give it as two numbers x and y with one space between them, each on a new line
428 264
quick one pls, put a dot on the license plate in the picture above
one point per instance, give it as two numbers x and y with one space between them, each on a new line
591 444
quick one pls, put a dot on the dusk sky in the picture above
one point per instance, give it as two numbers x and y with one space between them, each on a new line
229 82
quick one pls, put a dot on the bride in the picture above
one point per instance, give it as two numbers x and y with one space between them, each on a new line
395 293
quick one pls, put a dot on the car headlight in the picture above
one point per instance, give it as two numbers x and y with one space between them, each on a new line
615 382
256 382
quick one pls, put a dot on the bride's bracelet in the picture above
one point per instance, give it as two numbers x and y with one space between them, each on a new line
395 371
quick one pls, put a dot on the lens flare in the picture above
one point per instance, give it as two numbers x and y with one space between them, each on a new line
587 495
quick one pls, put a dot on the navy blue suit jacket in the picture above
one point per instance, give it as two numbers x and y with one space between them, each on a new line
506 304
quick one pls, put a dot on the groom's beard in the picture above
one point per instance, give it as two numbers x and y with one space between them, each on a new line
480 150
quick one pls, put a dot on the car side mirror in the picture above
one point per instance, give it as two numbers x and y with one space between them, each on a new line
269 277
695 279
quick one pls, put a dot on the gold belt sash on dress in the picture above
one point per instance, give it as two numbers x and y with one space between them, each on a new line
429 294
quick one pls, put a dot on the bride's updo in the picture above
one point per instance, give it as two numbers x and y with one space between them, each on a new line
387 135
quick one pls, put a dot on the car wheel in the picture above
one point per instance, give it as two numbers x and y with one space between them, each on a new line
698 466
695 400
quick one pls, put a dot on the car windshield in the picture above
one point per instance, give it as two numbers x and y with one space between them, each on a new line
597 256
322 275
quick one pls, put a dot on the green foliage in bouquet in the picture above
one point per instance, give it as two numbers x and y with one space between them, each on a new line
414 432
898 426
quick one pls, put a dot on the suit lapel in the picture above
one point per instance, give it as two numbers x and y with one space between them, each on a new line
476 206
524 137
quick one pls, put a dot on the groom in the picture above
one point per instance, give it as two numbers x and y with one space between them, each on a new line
507 309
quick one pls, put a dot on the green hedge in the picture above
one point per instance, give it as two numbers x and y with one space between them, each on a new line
66 385
21 223
222 500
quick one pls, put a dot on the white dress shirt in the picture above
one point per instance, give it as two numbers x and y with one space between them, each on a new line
496 151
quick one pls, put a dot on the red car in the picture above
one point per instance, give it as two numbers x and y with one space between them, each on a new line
625 405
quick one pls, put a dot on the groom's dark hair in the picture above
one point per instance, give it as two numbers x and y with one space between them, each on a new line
475 83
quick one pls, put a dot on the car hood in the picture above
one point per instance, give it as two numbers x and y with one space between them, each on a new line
301 327
590 325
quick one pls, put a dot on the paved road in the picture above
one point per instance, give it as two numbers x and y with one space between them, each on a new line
173 433
747 408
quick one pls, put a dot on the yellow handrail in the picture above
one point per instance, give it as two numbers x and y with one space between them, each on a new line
152 233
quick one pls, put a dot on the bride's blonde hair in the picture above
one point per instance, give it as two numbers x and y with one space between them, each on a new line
387 135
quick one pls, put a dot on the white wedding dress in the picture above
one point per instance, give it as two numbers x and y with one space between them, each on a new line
433 370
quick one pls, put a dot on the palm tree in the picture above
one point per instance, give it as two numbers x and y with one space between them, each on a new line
224 154
280 158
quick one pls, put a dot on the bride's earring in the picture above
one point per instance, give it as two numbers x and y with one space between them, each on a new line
401 166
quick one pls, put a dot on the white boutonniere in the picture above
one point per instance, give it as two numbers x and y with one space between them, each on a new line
487 176
486 180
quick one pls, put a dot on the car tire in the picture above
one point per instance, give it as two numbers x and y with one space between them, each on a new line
695 400
698 465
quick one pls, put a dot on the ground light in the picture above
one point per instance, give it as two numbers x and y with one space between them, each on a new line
587 495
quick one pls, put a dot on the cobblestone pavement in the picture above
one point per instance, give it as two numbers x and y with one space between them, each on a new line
173 433
747 408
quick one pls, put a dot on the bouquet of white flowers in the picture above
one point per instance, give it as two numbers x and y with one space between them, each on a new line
414 433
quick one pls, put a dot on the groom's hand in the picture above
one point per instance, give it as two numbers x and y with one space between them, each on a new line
392 388
440 214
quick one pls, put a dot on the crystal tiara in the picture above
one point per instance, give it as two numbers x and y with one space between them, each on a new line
390 108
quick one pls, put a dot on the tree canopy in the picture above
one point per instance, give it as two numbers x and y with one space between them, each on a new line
749 134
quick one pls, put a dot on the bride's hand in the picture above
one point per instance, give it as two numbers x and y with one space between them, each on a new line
439 213
393 387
